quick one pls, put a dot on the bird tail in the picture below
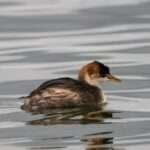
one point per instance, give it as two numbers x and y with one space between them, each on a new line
26 100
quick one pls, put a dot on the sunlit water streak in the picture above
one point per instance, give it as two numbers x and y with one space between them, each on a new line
22 7
10 124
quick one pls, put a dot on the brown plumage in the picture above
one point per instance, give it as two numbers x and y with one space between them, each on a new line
68 92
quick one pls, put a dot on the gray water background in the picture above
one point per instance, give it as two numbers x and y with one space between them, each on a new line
45 39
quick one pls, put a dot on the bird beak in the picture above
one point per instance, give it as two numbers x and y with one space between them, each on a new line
113 78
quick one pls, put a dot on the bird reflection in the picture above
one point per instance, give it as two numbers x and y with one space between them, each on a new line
69 116
97 143
100 143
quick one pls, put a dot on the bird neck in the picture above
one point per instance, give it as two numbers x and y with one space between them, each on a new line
84 77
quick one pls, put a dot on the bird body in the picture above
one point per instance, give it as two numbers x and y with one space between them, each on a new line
68 92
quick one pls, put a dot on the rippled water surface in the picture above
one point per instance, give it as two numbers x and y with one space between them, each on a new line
45 39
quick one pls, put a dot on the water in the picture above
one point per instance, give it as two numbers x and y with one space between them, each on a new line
44 39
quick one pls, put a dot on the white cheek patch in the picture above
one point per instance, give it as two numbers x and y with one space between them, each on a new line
102 80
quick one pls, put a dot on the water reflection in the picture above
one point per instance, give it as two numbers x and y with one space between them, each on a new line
100 143
72 116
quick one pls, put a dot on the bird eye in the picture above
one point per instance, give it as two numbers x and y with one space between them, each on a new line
104 71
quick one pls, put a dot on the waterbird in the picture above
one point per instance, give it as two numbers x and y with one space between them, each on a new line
67 92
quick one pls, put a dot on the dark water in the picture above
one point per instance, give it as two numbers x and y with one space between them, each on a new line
44 39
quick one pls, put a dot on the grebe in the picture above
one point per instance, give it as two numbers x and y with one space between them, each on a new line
68 92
